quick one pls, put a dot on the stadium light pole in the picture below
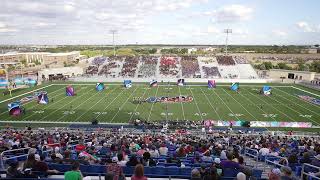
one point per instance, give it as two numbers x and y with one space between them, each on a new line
227 31
113 31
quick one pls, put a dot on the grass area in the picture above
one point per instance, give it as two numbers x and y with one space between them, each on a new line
114 105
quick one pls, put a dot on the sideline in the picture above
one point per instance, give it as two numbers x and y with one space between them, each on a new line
305 91
25 93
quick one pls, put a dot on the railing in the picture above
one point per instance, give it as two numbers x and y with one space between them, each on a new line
13 150
307 174
271 159
251 154
2 159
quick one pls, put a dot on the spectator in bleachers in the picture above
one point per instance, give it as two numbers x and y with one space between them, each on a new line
147 160
139 173
163 150
247 170
121 160
225 60
115 169
133 161
229 163
75 173
274 174
264 150
316 160
212 174
42 166
195 174
241 176
181 152
286 173
207 157
30 162
154 153
67 158
189 66
13 171
305 158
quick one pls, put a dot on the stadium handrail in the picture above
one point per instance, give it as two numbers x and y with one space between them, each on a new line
14 157
266 160
256 157
12 150
308 174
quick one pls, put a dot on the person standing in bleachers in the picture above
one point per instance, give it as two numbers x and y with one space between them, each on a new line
115 169
75 173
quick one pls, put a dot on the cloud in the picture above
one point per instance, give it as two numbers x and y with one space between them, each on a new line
280 33
232 13
306 27
44 24
212 29
4 28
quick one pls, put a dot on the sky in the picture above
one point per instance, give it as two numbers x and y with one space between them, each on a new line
253 22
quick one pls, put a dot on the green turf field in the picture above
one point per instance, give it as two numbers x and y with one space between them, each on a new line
114 105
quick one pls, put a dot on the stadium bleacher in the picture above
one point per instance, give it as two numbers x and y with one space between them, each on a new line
229 67
48 154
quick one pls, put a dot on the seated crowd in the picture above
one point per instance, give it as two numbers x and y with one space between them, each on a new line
207 157
210 72
98 60
189 67
148 66
92 70
240 59
129 67
225 60
169 66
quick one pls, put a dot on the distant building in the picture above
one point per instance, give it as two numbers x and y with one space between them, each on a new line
64 71
42 58
191 50
291 75
10 57
310 51
210 49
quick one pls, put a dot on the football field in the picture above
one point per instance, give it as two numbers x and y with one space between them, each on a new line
115 104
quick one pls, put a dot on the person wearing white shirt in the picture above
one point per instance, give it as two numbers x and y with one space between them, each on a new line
264 150
163 150
154 153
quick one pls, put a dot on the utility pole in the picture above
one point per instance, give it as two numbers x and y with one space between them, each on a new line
113 31
227 31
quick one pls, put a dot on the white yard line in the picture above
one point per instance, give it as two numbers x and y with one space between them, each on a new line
299 98
37 103
305 91
76 98
241 105
80 105
271 106
226 105
194 98
46 106
135 110
111 102
293 109
152 105
184 117
211 104
109 92
123 104
297 103
25 93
